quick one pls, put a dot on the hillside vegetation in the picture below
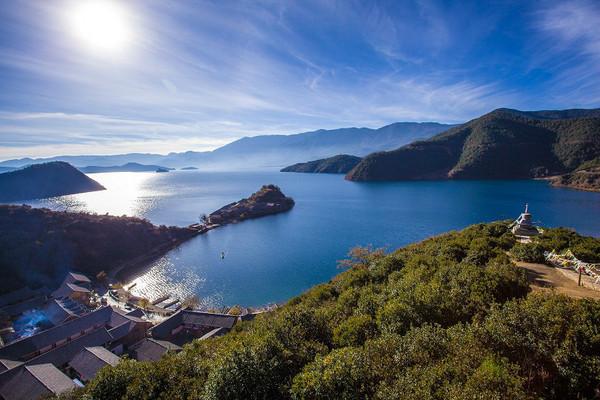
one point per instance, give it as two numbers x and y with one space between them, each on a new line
448 318
38 246
504 144
340 164
45 180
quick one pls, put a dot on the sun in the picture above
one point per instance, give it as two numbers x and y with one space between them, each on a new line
100 25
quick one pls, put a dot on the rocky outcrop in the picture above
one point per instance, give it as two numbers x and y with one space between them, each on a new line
267 201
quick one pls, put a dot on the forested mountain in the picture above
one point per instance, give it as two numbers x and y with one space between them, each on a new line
504 144
45 180
339 164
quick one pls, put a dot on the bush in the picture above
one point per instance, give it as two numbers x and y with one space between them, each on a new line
528 252
354 331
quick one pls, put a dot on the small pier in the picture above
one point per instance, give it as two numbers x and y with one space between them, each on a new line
203 228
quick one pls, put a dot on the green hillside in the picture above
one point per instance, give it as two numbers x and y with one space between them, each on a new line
39 246
504 144
448 318
340 164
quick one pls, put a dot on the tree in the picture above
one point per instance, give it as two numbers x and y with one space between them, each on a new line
144 303
361 257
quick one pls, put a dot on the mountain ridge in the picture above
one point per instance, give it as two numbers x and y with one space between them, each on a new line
503 144
267 151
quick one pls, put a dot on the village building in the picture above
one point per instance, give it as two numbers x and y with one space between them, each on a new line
36 381
150 349
186 325
58 345
89 361
76 287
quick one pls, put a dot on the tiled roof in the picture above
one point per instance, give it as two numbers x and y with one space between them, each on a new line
35 381
152 349
198 318
120 331
90 360
214 333
79 277
57 313
77 288
65 353
8 364
135 313
20 349
208 319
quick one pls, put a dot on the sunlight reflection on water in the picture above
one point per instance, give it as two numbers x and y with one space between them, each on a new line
127 193
272 259
159 280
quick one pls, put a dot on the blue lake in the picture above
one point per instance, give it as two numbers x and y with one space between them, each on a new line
277 257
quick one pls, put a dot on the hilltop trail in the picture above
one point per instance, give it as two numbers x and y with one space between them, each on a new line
545 278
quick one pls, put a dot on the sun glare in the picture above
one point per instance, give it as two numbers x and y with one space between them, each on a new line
102 25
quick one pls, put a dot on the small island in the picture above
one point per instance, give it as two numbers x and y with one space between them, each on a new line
340 164
189 168
268 200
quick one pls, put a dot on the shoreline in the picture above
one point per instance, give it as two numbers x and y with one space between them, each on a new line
144 260
552 181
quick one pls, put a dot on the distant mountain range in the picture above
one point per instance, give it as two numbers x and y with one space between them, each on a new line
129 167
340 164
504 144
268 151
45 180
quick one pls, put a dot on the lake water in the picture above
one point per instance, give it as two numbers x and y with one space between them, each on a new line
277 257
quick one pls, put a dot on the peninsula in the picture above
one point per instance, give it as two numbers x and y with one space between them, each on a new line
586 177
45 180
267 201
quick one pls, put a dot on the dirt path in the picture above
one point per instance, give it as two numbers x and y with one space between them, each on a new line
562 281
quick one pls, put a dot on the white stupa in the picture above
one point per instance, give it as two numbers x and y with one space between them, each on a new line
523 225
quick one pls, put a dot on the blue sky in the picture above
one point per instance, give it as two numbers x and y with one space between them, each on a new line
194 75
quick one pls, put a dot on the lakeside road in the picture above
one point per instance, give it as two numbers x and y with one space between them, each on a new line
547 278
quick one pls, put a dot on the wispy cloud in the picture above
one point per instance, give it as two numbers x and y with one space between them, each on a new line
571 49
202 74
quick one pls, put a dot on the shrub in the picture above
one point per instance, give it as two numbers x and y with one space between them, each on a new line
528 252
